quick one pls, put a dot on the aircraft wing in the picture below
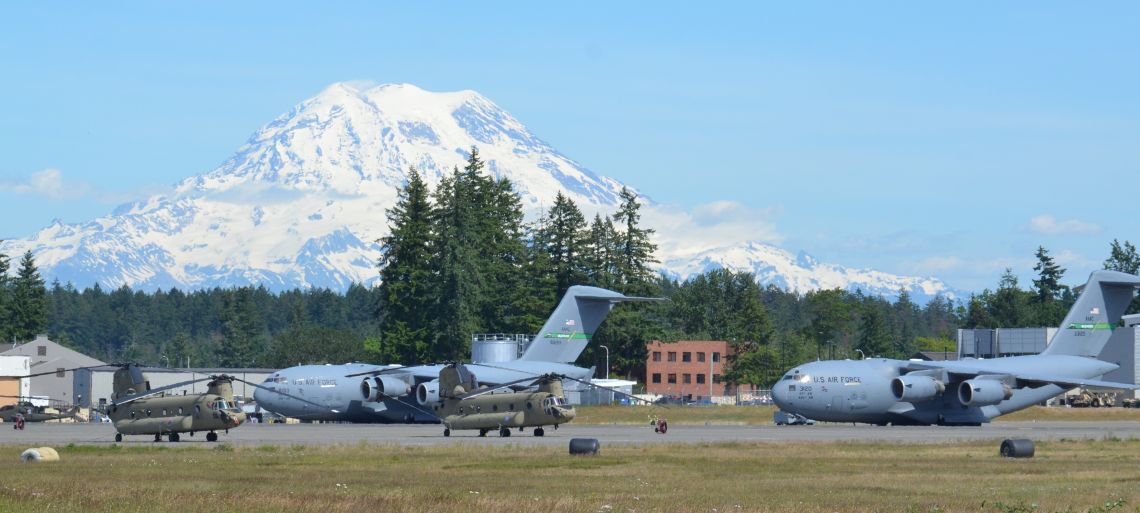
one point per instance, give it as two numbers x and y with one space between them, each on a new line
1024 379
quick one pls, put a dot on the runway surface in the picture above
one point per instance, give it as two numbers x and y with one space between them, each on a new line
413 435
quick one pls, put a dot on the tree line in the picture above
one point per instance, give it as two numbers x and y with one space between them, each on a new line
460 260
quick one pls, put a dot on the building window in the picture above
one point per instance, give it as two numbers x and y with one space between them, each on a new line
657 356
701 357
657 377
686 356
716 378
59 372
672 356
716 357
41 350
673 379
687 379
700 379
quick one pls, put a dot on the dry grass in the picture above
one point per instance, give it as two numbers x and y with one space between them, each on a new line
818 477
762 415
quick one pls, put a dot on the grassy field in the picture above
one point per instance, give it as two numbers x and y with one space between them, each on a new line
760 415
1096 476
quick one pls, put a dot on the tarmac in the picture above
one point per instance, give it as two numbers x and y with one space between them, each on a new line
61 434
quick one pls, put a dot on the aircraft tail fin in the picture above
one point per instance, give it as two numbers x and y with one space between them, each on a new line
1089 324
573 323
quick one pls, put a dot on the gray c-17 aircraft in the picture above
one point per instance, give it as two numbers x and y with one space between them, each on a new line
358 392
969 391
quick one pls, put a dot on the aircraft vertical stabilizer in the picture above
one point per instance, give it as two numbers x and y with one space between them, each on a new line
573 323
1096 313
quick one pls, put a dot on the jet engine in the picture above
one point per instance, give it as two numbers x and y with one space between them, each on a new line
376 387
428 392
983 392
916 389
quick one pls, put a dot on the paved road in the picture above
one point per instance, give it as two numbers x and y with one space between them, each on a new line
292 434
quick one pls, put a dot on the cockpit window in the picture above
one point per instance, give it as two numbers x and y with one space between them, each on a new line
787 377
803 378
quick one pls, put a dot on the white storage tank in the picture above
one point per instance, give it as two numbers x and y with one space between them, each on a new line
495 348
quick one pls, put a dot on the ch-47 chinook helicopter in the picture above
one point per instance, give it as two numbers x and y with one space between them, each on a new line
137 409
463 404
32 413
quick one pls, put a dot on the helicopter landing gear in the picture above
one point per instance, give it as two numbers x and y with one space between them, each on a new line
118 437
539 431
173 437
211 437
504 432
446 432
158 437
482 432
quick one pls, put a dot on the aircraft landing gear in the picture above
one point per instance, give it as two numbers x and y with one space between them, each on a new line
539 432
118 437
446 432
482 432
158 437
173 437
211 437
504 432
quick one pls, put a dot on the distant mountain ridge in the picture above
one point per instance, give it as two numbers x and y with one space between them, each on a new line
301 203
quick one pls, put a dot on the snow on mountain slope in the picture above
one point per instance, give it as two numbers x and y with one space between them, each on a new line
301 203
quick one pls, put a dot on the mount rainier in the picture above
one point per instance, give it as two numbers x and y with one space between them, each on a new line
302 203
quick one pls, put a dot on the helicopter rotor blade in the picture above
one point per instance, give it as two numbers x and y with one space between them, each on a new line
291 396
608 389
153 391
57 371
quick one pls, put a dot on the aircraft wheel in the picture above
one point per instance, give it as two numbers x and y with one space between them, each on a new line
504 432
173 437
118 437
446 432
211 437
539 432
482 432
158 437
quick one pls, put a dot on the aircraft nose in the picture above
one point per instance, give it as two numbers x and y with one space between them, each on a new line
778 395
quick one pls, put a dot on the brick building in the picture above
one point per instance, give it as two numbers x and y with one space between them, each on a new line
689 369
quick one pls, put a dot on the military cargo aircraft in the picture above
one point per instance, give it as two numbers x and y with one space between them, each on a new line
969 391
358 392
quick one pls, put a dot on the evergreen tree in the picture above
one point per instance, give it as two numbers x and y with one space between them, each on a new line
1046 305
636 250
1123 258
601 253
407 280
1008 306
29 308
243 331
874 337
562 235
6 321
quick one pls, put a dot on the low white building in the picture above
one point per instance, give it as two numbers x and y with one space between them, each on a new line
13 384
55 360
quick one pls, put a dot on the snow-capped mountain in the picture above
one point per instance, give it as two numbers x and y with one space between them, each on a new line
301 203
803 273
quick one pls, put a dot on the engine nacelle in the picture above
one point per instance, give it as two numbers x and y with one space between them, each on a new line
428 392
983 392
376 388
916 389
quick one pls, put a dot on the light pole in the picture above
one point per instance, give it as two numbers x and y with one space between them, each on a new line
607 361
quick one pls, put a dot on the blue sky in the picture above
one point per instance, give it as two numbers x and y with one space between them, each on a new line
903 137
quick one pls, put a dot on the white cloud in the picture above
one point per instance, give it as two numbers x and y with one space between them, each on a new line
50 183
712 225
1048 225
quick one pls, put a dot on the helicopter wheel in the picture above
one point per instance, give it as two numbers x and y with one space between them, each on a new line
211 437
482 432
118 437
539 431
158 437
504 432
446 432
173 437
